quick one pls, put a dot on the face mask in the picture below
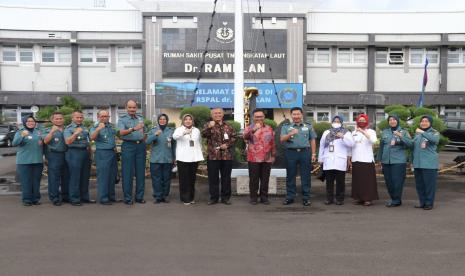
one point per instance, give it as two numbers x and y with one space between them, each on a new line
362 124
336 125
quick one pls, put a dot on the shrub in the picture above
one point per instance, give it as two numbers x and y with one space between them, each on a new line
389 108
321 127
201 114
271 123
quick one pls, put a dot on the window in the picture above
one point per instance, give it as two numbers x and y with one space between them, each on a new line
63 54
322 55
48 54
351 55
175 39
419 55
344 111
98 54
310 56
128 54
396 56
344 55
350 113
102 54
453 55
9 53
318 56
25 54
322 116
56 54
454 112
381 55
360 55
380 115
86 54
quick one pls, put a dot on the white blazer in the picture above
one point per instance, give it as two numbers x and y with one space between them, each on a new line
362 151
184 151
336 160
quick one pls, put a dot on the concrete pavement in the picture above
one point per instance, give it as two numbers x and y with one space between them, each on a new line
173 239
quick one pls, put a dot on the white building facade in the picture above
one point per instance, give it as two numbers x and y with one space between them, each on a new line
334 62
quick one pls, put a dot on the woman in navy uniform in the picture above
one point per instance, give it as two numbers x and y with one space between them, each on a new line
29 160
161 158
392 154
425 162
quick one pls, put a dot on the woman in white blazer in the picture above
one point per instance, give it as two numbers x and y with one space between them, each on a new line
188 154
335 145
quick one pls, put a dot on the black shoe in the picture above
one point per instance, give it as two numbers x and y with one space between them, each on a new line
328 202
76 203
91 201
57 203
212 202
165 200
339 202
288 202
253 201
116 200
390 204
428 207
140 201
36 203
266 202
106 203
128 202
419 206
306 203
226 202
27 204
157 201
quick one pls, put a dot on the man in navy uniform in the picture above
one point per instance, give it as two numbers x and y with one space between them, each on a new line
55 154
298 139
103 133
131 129
78 159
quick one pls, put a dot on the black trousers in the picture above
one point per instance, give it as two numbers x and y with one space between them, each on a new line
340 177
187 175
259 176
215 168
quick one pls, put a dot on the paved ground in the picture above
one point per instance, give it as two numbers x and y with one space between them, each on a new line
173 239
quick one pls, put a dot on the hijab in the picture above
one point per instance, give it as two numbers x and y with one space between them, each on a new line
395 117
334 131
162 127
188 115
24 120
430 119
360 124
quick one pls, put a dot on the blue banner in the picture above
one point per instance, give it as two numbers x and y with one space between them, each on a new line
179 95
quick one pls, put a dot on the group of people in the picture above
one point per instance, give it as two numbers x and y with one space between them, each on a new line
68 153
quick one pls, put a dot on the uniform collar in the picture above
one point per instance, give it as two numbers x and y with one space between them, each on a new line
73 124
298 124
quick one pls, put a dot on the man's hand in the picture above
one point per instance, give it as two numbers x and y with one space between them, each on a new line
223 146
53 129
211 124
78 130
313 158
101 126
139 126
294 132
257 127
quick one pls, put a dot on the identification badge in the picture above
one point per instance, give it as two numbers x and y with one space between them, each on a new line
56 139
79 137
423 144
168 142
304 128
226 136
29 137
191 143
331 148
393 141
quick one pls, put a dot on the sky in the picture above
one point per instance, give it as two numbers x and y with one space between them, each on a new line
340 5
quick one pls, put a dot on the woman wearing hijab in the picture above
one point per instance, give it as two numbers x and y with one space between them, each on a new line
425 162
161 158
335 145
364 186
393 156
188 154
29 160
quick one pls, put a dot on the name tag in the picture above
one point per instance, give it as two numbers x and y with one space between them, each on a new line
331 148
226 136
423 144
304 128
191 143
393 142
